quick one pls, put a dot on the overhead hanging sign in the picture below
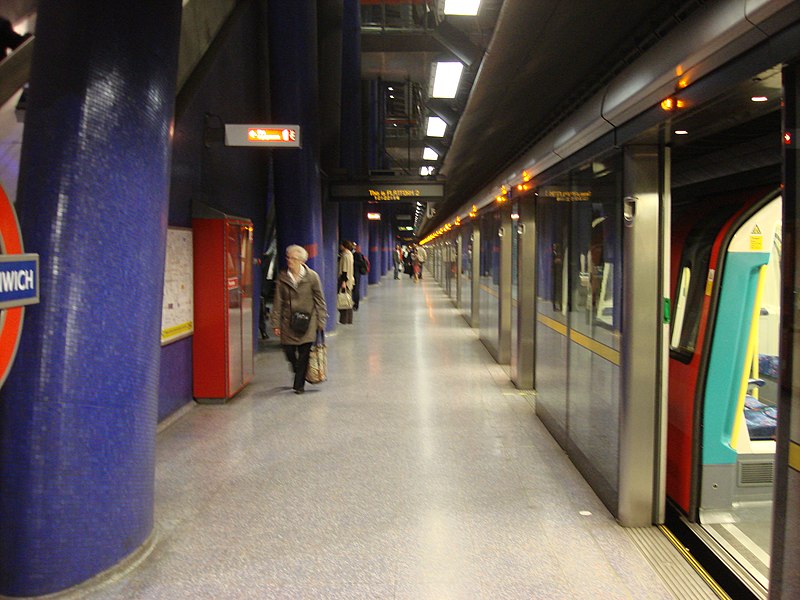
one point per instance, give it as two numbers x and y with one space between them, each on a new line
270 136
388 192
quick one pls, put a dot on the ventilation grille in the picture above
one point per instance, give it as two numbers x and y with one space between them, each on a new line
755 473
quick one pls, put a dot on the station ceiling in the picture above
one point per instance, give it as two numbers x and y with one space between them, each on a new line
540 61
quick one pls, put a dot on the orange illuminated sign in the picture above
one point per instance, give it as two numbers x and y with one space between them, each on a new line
275 136
260 134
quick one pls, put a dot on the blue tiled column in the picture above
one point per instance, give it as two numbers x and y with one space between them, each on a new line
375 243
329 256
351 151
294 99
350 221
78 411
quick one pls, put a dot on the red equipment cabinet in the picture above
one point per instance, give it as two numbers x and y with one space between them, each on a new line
222 347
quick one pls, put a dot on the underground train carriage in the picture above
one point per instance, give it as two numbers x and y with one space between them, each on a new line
723 368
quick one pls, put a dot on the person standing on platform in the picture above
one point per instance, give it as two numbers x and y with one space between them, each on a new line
416 267
299 311
346 279
422 256
397 260
408 261
360 267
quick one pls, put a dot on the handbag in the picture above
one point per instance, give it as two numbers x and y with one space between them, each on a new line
298 320
344 301
317 370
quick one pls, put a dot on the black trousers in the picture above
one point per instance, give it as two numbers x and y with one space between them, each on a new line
356 292
298 358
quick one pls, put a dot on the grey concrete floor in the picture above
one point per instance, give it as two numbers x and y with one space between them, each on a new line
416 471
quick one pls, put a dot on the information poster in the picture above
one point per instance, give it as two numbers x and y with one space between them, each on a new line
177 312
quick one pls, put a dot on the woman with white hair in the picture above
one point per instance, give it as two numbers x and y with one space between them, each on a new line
299 311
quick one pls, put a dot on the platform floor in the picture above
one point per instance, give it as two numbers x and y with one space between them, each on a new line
416 471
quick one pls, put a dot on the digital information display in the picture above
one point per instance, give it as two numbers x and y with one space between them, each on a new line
565 195
388 192
270 136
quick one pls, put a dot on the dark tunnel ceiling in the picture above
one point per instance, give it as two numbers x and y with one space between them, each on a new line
544 59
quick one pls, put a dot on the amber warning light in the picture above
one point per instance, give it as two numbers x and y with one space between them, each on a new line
274 136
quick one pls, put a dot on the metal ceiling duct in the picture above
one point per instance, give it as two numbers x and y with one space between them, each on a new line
713 35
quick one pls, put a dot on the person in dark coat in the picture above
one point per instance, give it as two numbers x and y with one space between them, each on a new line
359 268
298 289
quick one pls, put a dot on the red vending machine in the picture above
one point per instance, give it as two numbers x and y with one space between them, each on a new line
223 307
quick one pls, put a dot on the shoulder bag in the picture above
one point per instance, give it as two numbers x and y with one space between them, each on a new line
298 320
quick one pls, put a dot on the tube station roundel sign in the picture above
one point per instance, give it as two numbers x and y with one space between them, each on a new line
19 284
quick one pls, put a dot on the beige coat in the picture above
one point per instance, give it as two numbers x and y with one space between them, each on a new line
346 266
305 296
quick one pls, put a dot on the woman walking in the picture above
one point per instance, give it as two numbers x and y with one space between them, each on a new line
299 311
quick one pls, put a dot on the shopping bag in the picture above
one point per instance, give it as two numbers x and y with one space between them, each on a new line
344 301
317 371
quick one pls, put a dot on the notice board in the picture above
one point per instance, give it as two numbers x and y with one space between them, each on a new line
177 312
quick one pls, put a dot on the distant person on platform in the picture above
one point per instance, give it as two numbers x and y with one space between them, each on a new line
298 290
345 278
360 267
397 260
408 260
422 256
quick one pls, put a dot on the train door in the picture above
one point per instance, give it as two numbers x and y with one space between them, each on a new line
723 371
514 291
524 329
495 283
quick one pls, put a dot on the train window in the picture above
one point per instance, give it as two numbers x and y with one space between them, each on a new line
680 307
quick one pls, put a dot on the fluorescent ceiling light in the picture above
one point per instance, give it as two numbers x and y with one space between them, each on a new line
429 154
461 7
436 127
424 171
445 79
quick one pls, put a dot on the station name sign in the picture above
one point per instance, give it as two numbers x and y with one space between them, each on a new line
270 136
388 192
19 284
19 279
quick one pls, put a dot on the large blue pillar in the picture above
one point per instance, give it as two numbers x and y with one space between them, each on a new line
351 126
78 411
375 243
294 99
350 221
330 254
